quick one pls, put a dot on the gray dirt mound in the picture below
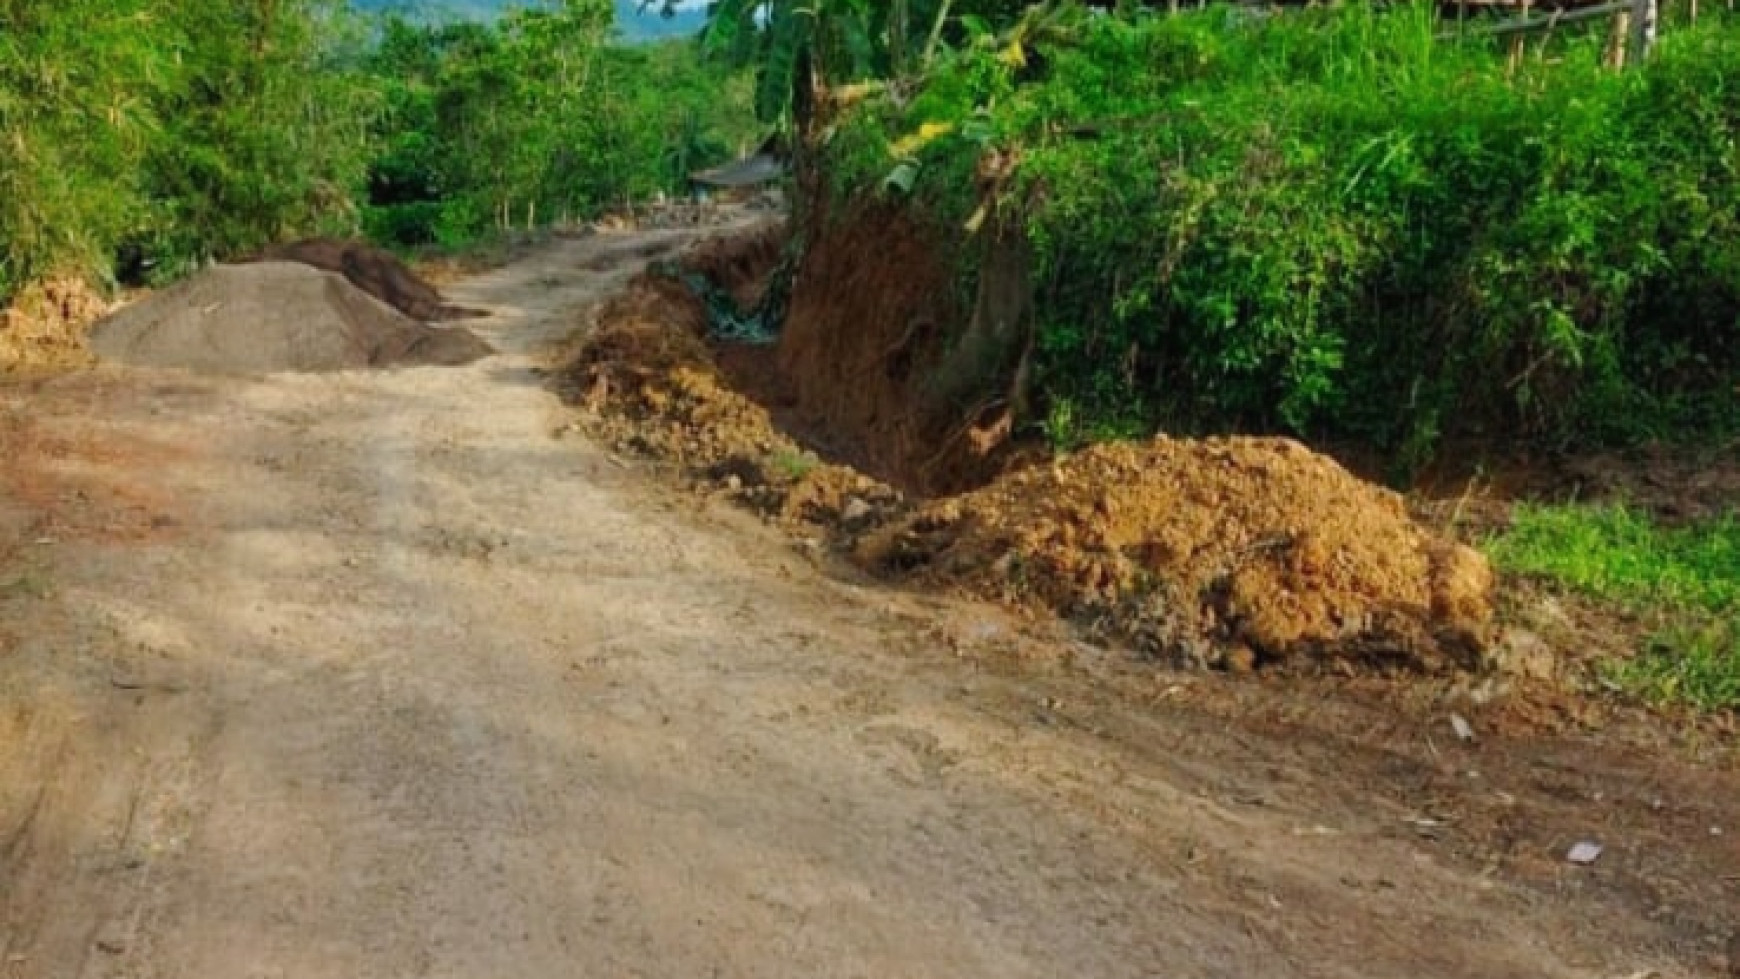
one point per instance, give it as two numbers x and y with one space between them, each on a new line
275 316
375 271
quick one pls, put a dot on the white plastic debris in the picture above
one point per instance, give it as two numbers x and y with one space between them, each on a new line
1463 729
1584 853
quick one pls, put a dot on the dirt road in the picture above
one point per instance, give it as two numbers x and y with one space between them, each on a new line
376 674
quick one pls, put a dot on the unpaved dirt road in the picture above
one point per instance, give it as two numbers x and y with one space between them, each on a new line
375 674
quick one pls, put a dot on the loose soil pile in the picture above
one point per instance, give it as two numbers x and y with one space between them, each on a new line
1226 552
1232 551
275 316
373 270
45 326
651 387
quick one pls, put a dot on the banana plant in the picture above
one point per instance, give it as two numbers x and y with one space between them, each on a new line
831 41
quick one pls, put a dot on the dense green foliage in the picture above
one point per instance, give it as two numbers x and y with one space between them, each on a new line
162 133
534 117
1687 577
837 41
179 127
1329 222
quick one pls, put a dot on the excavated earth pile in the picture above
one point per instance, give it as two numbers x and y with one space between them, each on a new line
1227 551
651 386
275 316
45 325
1235 552
373 270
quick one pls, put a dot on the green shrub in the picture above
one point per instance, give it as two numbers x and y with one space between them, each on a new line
1329 222
182 129
536 118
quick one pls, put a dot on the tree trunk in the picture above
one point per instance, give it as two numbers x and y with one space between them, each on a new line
981 360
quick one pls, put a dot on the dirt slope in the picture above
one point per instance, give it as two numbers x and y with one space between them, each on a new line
371 675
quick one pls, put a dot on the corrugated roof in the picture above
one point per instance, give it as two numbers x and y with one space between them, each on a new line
761 168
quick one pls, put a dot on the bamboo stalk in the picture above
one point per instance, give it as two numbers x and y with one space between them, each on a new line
1616 41
1517 44
936 31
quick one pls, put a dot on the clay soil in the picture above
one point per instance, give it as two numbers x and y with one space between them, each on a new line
851 370
44 328
1238 552
397 673
1233 552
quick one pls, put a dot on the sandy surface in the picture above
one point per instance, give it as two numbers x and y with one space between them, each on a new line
371 674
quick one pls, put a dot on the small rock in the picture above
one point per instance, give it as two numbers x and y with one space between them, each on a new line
112 943
1584 853
856 511
734 483
1241 659
1525 654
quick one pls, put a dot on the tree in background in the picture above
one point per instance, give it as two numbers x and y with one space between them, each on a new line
266 135
536 118
796 45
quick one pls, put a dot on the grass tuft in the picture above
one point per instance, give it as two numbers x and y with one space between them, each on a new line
1687 577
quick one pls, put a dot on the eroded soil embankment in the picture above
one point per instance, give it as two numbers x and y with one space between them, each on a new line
1236 552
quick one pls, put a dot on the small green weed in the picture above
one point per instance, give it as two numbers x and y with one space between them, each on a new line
1698 665
1688 577
792 465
